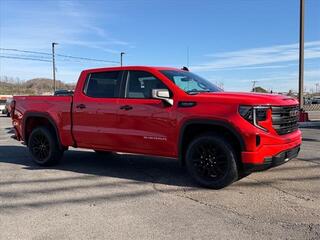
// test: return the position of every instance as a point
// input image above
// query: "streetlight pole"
(54, 66)
(301, 54)
(121, 58)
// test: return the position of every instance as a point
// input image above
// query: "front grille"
(285, 119)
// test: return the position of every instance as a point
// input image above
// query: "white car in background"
(2, 105)
(3, 101)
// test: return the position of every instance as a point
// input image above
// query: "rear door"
(95, 110)
(146, 125)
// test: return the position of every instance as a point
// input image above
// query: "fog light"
(258, 140)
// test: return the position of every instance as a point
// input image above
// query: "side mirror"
(162, 94)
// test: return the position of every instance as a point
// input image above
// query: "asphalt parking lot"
(130, 197)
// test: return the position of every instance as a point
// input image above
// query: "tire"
(211, 161)
(44, 147)
(8, 114)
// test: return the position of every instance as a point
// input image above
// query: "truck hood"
(248, 98)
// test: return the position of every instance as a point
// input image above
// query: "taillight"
(256, 115)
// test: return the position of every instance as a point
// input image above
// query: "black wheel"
(44, 147)
(211, 161)
(8, 114)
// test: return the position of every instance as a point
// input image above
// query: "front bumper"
(271, 155)
(273, 161)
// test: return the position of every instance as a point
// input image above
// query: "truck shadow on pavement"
(101, 179)
(124, 166)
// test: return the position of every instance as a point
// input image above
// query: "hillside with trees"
(36, 86)
(259, 90)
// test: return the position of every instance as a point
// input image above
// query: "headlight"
(247, 113)
(254, 114)
(261, 113)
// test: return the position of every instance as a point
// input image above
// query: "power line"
(84, 58)
(25, 58)
(25, 55)
(60, 55)
(40, 58)
(25, 51)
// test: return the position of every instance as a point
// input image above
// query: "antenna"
(188, 50)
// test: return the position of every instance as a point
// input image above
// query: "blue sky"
(232, 42)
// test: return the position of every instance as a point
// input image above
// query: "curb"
(311, 124)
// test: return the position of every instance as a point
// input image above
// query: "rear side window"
(103, 84)
(140, 84)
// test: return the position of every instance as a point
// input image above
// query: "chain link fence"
(311, 107)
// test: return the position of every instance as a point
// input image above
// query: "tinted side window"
(103, 84)
(140, 84)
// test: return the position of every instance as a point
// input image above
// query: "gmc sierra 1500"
(165, 112)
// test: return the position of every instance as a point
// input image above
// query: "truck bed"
(57, 108)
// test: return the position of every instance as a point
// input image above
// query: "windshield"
(190, 82)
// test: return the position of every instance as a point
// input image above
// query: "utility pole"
(254, 85)
(121, 58)
(301, 54)
(54, 66)
(317, 86)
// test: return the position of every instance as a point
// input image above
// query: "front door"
(146, 125)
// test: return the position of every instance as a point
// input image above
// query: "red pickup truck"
(166, 112)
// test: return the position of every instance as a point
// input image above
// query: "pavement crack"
(153, 183)
(185, 196)
(280, 190)
(310, 161)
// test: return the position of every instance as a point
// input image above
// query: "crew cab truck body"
(164, 112)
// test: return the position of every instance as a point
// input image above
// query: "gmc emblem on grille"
(293, 113)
